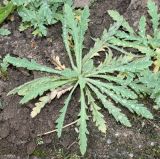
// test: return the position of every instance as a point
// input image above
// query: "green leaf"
(98, 118)
(4, 32)
(116, 112)
(124, 35)
(140, 89)
(63, 111)
(5, 11)
(65, 39)
(77, 30)
(153, 12)
(157, 101)
(137, 44)
(36, 88)
(23, 89)
(30, 65)
(72, 25)
(117, 17)
(88, 67)
(44, 11)
(152, 82)
(113, 29)
(3, 68)
(102, 43)
(28, 15)
(82, 122)
(24, 26)
(98, 46)
(134, 66)
(131, 105)
(115, 79)
(142, 27)
(33, 93)
(83, 26)
(122, 64)
(21, 2)
(123, 90)
(146, 50)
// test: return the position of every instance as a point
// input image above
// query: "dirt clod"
(4, 130)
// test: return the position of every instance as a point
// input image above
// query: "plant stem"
(52, 131)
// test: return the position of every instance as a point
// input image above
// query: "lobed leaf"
(83, 124)
(102, 43)
(37, 87)
(22, 90)
(116, 112)
(117, 17)
(98, 118)
(72, 26)
(66, 42)
(30, 65)
(39, 105)
(153, 12)
(63, 111)
(48, 98)
(131, 105)
(83, 26)
(142, 27)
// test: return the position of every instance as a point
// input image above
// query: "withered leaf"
(57, 63)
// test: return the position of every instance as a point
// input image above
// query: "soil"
(18, 132)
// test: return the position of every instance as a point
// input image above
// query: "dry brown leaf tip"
(48, 98)
(56, 61)
(59, 92)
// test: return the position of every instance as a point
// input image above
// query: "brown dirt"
(18, 132)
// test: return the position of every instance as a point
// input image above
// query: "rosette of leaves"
(149, 45)
(39, 13)
(109, 85)
(146, 44)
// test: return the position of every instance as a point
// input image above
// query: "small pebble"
(131, 155)
(152, 144)
(125, 134)
(117, 134)
(109, 141)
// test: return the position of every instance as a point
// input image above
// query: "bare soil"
(18, 132)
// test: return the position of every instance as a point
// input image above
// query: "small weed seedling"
(109, 85)
(148, 45)
(38, 14)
